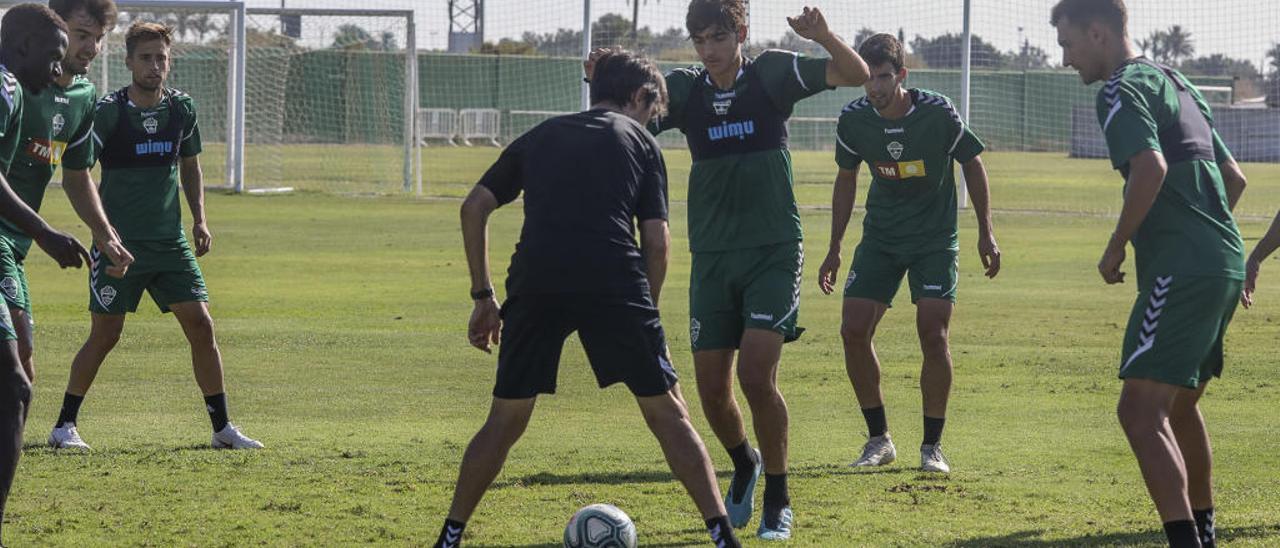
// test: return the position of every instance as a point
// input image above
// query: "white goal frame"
(412, 160)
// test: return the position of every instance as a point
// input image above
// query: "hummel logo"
(762, 317)
(933, 287)
(62, 100)
(452, 535)
(894, 130)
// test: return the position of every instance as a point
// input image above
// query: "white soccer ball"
(600, 526)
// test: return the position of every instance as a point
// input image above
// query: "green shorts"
(13, 279)
(876, 274)
(1176, 329)
(756, 288)
(166, 270)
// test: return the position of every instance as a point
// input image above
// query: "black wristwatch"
(482, 294)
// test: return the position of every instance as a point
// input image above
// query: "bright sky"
(1239, 28)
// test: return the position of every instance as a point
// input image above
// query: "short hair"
(25, 20)
(102, 12)
(883, 48)
(705, 14)
(1080, 13)
(146, 31)
(619, 74)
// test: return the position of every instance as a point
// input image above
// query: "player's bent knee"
(856, 334)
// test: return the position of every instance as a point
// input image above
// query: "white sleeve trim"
(1112, 114)
(795, 64)
(81, 140)
(847, 147)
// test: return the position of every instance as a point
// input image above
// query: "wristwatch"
(482, 294)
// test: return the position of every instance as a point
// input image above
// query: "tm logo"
(153, 147)
(728, 130)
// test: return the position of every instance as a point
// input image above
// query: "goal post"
(208, 63)
(334, 96)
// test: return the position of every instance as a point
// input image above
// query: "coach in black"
(587, 179)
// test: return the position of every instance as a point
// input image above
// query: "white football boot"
(932, 459)
(67, 437)
(878, 451)
(231, 438)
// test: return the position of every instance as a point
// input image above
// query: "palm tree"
(1178, 44)
(635, 22)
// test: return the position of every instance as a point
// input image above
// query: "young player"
(1266, 246)
(33, 40)
(56, 127)
(147, 140)
(586, 178)
(1180, 186)
(910, 139)
(744, 231)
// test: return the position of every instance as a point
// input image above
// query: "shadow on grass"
(602, 478)
(1032, 539)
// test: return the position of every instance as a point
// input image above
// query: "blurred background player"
(910, 139)
(57, 124)
(148, 140)
(33, 40)
(1180, 187)
(744, 231)
(588, 179)
(1266, 246)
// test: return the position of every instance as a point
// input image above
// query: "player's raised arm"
(975, 180)
(1266, 246)
(846, 69)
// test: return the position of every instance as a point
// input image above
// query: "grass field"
(342, 323)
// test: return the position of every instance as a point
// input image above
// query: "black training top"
(587, 178)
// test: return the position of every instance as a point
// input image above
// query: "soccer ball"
(600, 526)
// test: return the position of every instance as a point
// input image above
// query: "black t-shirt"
(586, 178)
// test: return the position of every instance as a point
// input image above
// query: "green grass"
(342, 322)
(1048, 182)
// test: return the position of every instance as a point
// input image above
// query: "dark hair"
(145, 31)
(730, 15)
(619, 74)
(883, 48)
(25, 20)
(1080, 13)
(101, 11)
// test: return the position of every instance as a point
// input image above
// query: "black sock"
(1181, 534)
(722, 533)
(450, 534)
(775, 493)
(744, 467)
(877, 424)
(1205, 527)
(217, 407)
(70, 409)
(933, 430)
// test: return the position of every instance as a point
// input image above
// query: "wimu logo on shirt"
(729, 130)
(153, 147)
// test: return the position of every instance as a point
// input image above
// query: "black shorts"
(623, 339)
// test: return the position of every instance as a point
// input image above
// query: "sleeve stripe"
(795, 64)
(956, 143)
(189, 134)
(97, 139)
(1115, 108)
(81, 140)
(846, 147)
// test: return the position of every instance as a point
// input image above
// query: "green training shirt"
(11, 96)
(911, 203)
(1190, 229)
(56, 127)
(740, 193)
(143, 203)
